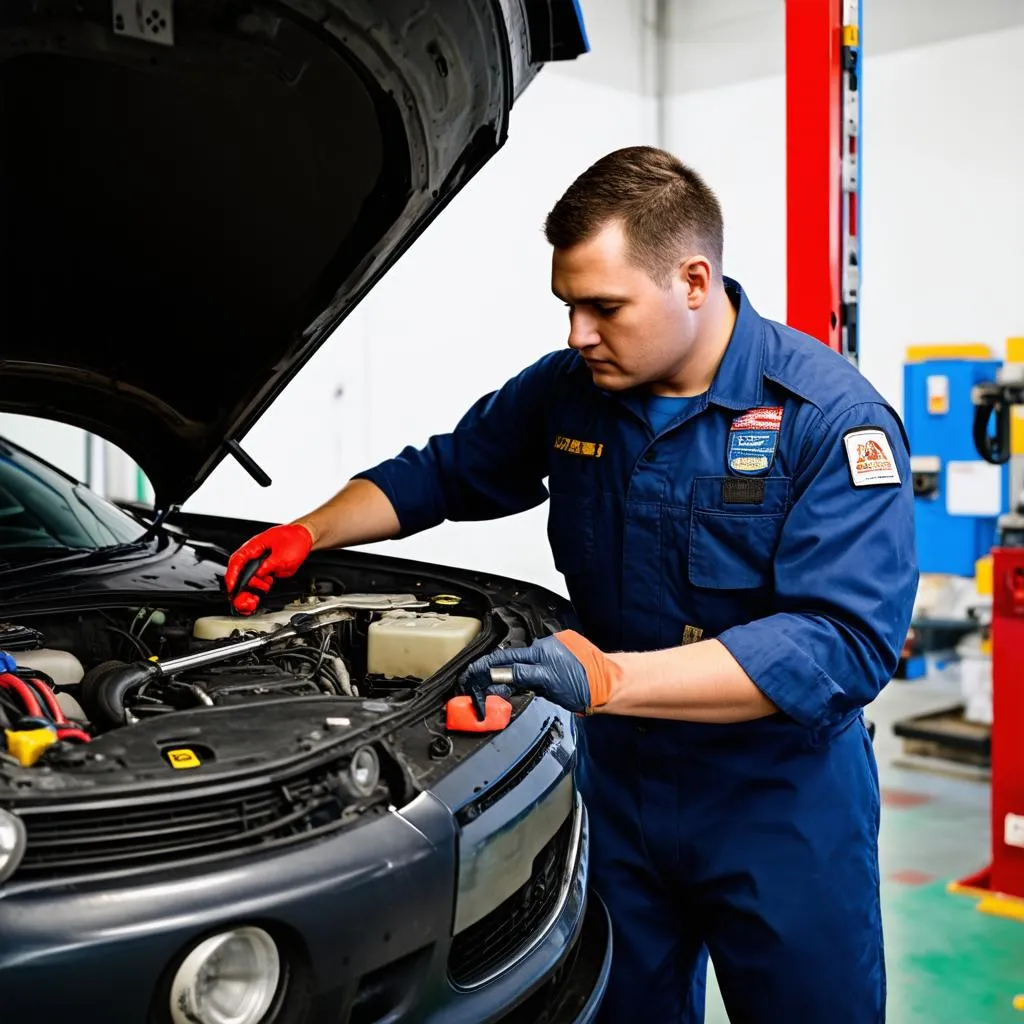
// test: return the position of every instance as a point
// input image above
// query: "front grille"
(495, 940)
(191, 826)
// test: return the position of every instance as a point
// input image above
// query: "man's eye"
(607, 310)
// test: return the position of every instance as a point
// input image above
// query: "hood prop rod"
(248, 463)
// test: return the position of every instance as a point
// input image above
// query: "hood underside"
(196, 192)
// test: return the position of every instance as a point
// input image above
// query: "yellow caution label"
(183, 758)
(851, 35)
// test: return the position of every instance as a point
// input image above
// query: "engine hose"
(45, 694)
(113, 687)
(26, 694)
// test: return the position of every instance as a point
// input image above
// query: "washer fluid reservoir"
(416, 645)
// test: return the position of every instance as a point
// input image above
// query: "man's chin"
(611, 378)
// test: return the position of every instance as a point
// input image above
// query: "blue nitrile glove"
(565, 668)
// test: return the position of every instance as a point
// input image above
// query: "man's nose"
(582, 331)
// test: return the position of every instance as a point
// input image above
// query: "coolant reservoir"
(220, 627)
(416, 644)
(61, 666)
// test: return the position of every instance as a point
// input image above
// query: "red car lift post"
(823, 260)
(1004, 877)
(822, 180)
(1001, 884)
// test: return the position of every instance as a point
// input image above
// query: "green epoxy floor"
(946, 962)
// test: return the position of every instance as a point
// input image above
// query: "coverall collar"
(739, 382)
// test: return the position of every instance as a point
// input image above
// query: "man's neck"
(694, 377)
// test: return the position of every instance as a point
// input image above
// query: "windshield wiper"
(38, 555)
(59, 557)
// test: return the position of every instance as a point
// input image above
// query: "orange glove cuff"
(602, 673)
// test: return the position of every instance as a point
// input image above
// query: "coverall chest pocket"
(735, 526)
(571, 531)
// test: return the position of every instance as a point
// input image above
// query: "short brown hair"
(665, 206)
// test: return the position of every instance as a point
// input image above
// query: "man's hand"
(565, 668)
(281, 550)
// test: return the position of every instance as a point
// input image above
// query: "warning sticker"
(183, 758)
(870, 457)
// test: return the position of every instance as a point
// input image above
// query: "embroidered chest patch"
(753, 440)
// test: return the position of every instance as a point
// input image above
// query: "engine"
(66, 679)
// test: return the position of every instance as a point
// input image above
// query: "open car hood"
(196, 192)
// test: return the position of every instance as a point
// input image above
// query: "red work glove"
(281, 550)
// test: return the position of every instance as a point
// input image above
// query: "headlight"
(229, 978)
(12, 843)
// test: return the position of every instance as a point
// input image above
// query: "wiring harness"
(31, 715)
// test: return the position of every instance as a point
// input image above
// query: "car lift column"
(823, 111)
(1000, 885)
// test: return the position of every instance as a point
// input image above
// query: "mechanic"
(731, 507)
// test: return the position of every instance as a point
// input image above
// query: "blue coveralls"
(775, 512)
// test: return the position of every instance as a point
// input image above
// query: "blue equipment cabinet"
(958, 496)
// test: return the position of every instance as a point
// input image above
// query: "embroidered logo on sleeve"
(870, 457)
(753, 440)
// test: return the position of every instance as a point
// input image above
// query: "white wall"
(734, 136)
(57, 443)
(943, 213)
(467, 307)
(715, 44)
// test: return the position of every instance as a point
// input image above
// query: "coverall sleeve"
(492, 464)
(846, 579)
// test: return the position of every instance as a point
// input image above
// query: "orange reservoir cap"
(460, 715)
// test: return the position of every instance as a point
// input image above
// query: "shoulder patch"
(870, 457)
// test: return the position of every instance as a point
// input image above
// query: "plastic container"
(416, 645)
(61, 666)
(975, 679)
(220, 627)
(71, 708)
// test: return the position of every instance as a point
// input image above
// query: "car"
(270, 819)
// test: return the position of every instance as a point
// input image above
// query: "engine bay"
(68, 679)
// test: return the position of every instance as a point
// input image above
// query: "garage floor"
(946, 963)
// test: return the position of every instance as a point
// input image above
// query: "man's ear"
(695, 275)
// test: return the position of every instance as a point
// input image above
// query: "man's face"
(628, 328)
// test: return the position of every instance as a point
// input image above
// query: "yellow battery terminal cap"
(27, 745)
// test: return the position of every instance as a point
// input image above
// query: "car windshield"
(44, 513)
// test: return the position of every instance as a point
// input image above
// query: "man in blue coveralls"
(731, 507)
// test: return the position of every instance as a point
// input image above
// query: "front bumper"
(574, 993)
(363, 920)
